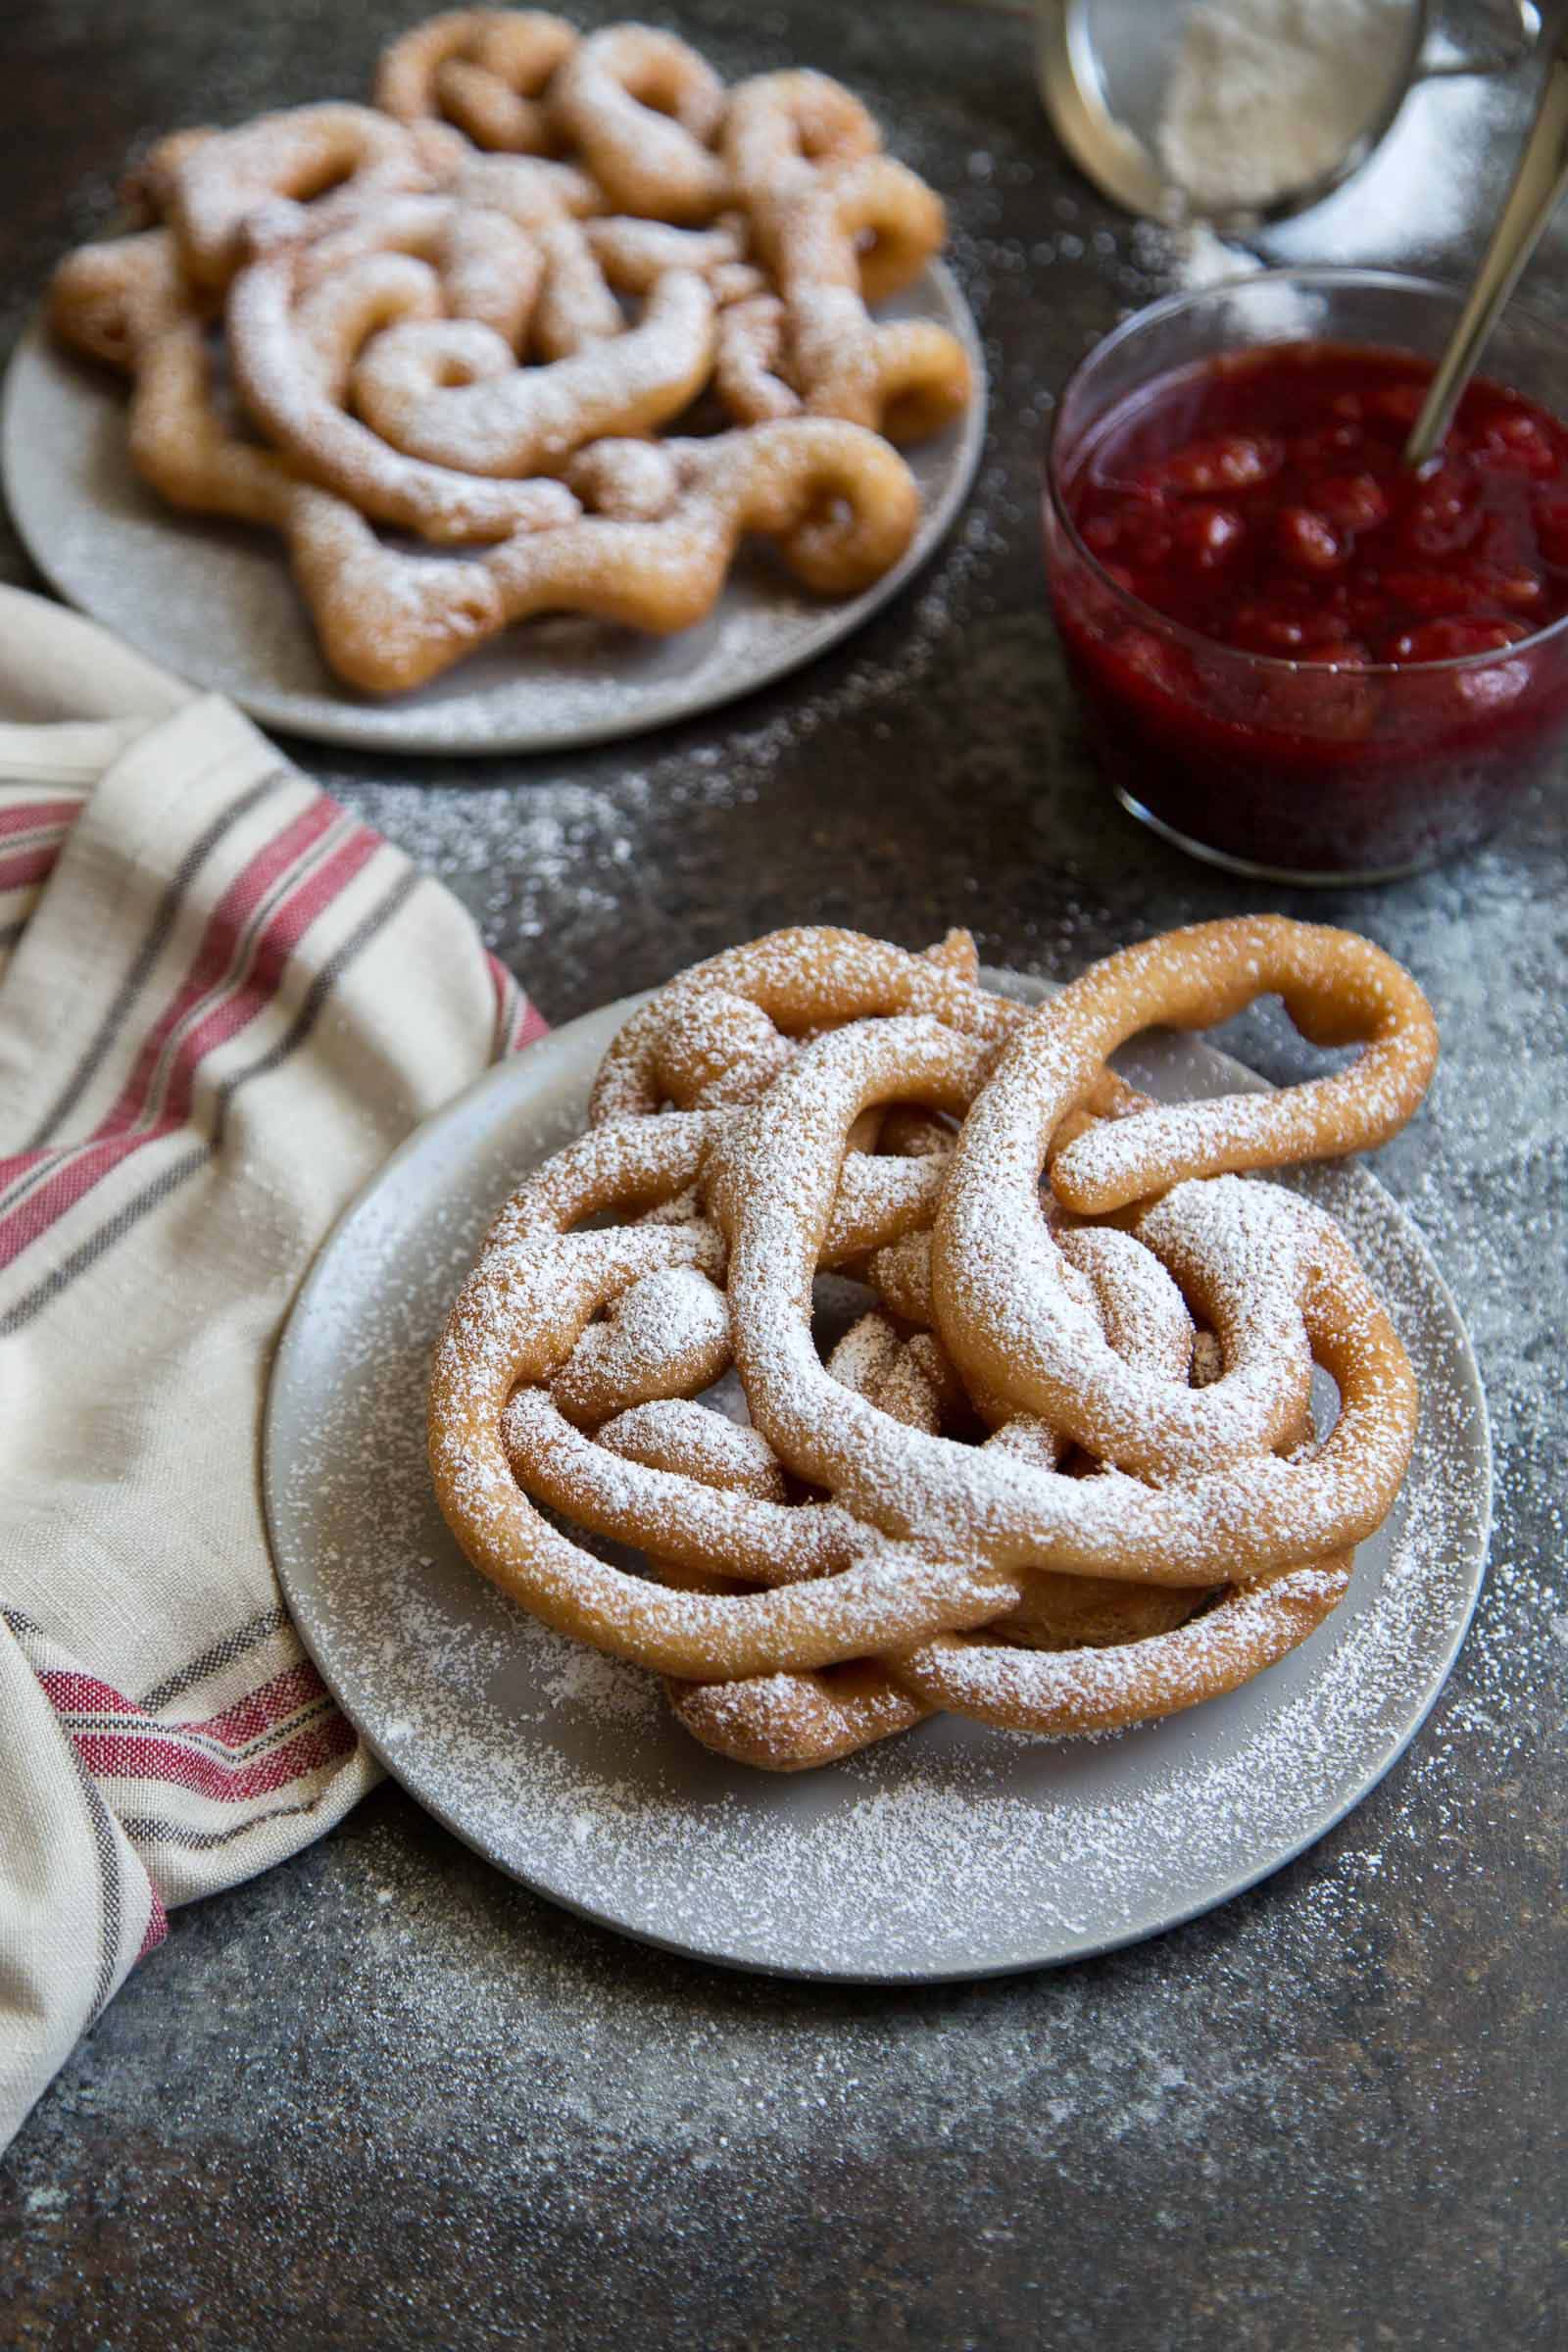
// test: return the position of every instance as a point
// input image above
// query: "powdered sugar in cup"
(1242, 111)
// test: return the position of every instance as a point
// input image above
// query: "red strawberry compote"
(1355, 682)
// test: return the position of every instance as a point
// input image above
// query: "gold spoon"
(1538, 184)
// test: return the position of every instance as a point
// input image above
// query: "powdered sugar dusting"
(781, 1160)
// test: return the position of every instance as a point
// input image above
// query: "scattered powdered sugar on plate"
(606, 1689)
(953, 1851)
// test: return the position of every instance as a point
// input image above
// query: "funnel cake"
(417, 339)
(1059, 1472)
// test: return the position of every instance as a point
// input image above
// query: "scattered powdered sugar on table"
(946, 1849)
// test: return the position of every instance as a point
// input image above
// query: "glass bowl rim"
(1324, 278)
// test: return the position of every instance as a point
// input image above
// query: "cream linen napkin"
(223, 1001)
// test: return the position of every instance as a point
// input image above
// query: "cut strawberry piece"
(1308, 540)
(1510, 440)
(1398, 404)
(1232, 461)
(1208, 535)
(1356, 502)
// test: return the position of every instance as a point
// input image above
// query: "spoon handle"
(1538, 184)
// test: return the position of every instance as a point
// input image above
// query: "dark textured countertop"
(382, 2096)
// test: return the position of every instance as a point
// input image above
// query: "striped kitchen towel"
(223, 1001)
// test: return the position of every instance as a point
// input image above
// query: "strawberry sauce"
(1258, 501)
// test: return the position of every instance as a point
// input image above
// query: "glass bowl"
(1294, 770)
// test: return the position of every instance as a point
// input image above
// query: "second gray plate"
(216, 603)
(953, 1851)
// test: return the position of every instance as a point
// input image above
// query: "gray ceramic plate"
(215, 603)
(953, 1851)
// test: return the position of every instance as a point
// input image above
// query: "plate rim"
(664, 707)
(502, 1078)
